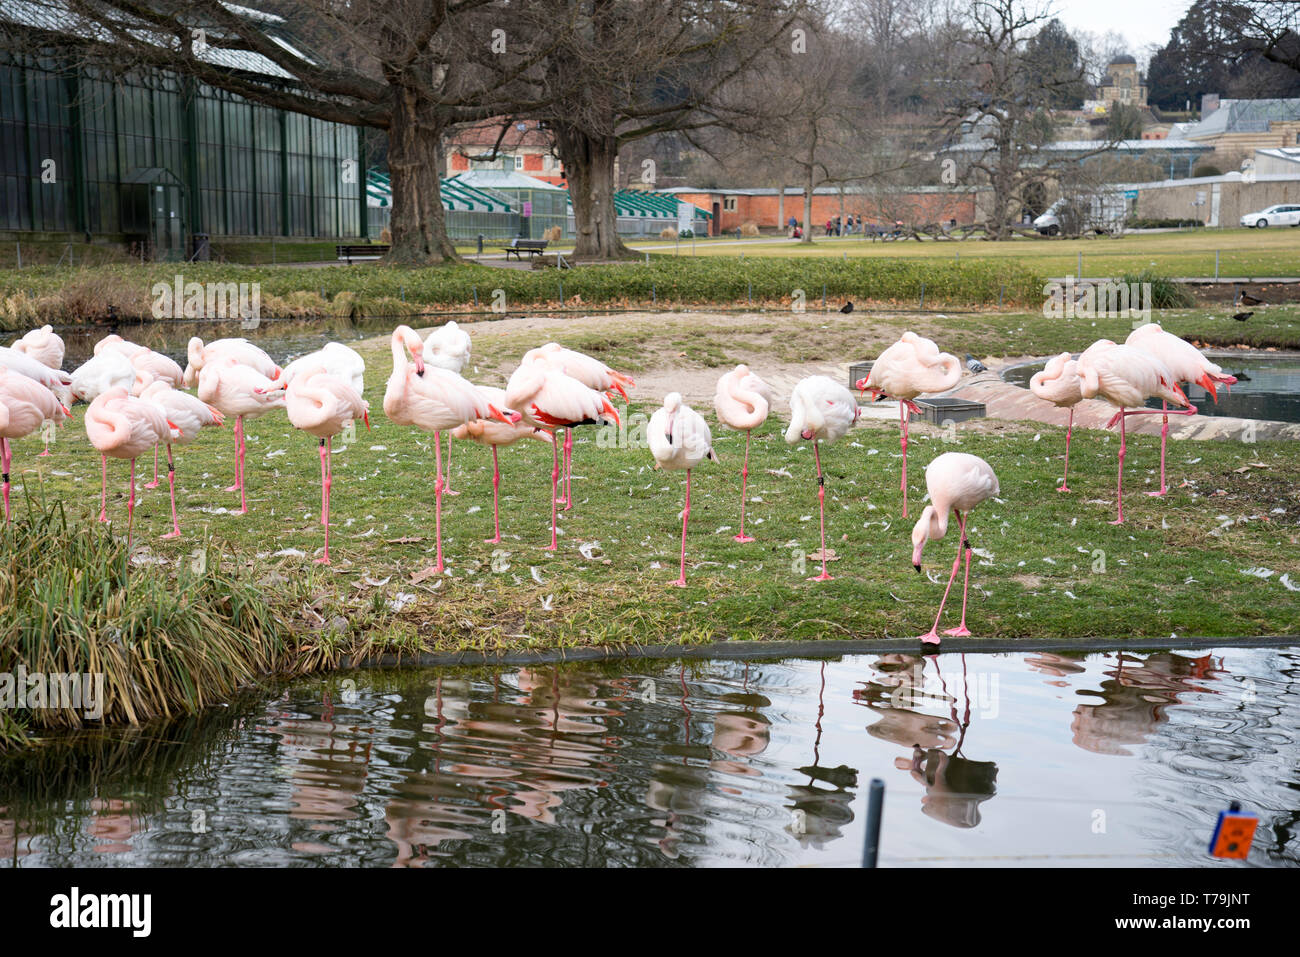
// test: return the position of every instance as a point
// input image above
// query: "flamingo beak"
(495, 413)
(366, 418)
(419, 365)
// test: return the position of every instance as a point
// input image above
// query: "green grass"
(1161, 568)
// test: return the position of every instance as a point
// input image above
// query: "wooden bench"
(533, 247)
(362, 251)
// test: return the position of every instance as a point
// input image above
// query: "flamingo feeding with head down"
(431, 399)
(679, 438)
(188, 415)
(323, 405)
(1058, 383)
(592, 373)
(550, 399)
(957, 482)
(1126, 376)
(243, 392)
(124, 426)
(1187, 364)
(742, 402)
(494, 433)
(448, 347)
(912, 366)
(821, 410)
(25, 406)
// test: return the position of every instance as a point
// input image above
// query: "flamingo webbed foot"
(929, 638)
(961, 631)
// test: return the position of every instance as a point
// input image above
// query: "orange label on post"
(1233, 835)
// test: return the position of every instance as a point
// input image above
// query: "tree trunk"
(780, 208)
(414, 152)
(807, 208)
(589, 169)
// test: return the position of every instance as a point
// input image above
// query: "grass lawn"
(1049, 565)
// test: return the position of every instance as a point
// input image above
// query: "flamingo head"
(925, 529)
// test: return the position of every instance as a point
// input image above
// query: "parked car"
(1102, 212)
(1273, 216)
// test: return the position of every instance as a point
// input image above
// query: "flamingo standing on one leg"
(494, 433)
(821, 410)
(1058, 384)
(125, 426)
(550, 399)
(1187, 364)
(25, 406)
(448, 347)
(912, 366)
(679, 438)
(431, 399)
(1127, 376)
(957, 482)
(46, 347)
(592, 373)
(189, 415)
(243, 392)
(742, 402)
(324, 404)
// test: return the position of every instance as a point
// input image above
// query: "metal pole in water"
(875, 808)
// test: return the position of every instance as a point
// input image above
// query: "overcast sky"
(1143, 22)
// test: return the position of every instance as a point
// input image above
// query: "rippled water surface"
(1010, 759)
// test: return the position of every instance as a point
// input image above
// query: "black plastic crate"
(946, 409)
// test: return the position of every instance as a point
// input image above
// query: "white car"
(1273, 216)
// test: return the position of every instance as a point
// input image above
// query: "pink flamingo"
(679, 438)
(188, 415)
(108, 370)
(124, 426)
(448, 347)
(821, 410)
(742, 402)
(1187, 364)
(323, 404)
(433, 400)
(957, 482)
(1127, 376)
(243, 392)
(1058, 383)
(494, 433)
(592, 373)
(46, 347)
(336, 359)
(25, 406)
(549, 399)
(241, 350)
(912, 366)
(149, 366)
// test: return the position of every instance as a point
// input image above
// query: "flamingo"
(448, 347)
(241, 350)
(957, 482)
(149, 366)
(592, 373)
(338, 360)
(18, 361)
(46, 347)
(548, 398)
(679, 438)
(1058, 383)
(108, 370)
(1187, 364)
(188, 415)
(912, 366)
(124, 426)
(742, 402)
(238, 390)
(821, 410)
(323, 404)
(494, 433)
(431, 399)
(25, 406)
(1127, 376)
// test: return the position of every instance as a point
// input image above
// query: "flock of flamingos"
(136, 404)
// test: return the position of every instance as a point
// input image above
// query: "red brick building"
(525, 147)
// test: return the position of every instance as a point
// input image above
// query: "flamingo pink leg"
(6, 454)
(103, 488)
(239, 456)
(130, 506)
(327, 480)
(171, 483)
(1119, 488)
(568, 469)
(496, 505)
(46, 450)
(1064, 486)
(821, 508)
(555, 479)
(437, 494)
(447, 490)
(1164, 439)
(744, 482)
(931, 637)
(903, 414)
(961, 631)
(686, 517)
(154, 483)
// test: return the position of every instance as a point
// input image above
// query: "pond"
(1026, 759)
(1268, 387)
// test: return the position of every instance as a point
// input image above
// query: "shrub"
(749, 229)
(1165, 293)
(553, 235)
(668, 233)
